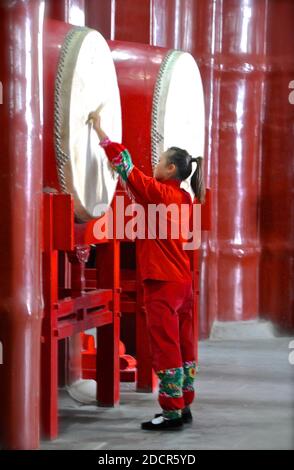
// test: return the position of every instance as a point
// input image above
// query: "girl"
(165, 271)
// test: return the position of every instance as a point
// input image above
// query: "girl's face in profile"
(164, 170)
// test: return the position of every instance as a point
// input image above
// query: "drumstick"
(98, 110)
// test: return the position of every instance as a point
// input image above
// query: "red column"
(174, 24)
(135, 14)
(123, 20)
(277, 198)
(206, 32)
(20, 208)
(237, 59)
(100, 16)
(70, 11)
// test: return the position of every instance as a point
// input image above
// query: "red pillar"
(277, 198)
(69, 11)
(138, 15)
(236, 57)
(174, 24)
(122, 20)
(20, 208)
(100, 15)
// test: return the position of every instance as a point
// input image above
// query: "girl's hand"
(95, 118)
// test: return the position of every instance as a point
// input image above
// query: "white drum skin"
(79, 76)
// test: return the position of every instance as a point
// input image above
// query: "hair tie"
(196, 160)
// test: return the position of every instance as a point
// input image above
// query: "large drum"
(162, 101)
(79, 76)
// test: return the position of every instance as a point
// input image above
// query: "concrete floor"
(245, 400)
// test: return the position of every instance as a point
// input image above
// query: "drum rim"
(159, 102)
(75, 35)
(160, 97)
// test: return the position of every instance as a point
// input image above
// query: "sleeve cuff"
(105, 142)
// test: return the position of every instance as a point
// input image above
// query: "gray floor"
(245, 400)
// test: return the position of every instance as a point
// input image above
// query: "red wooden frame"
(70, 311)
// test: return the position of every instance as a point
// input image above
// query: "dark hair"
(183, 162)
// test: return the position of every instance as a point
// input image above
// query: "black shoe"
(163, 424)
(186, 416)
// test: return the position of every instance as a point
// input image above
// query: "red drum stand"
(74, 310)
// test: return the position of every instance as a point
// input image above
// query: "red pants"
(170, 326)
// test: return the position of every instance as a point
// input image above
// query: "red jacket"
(160, 259)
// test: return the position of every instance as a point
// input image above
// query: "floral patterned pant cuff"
(188, 385)
(176, 390)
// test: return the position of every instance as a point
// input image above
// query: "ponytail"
(183, 162)
(197, 181)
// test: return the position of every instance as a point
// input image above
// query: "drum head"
(86, 79)
(178, 118)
